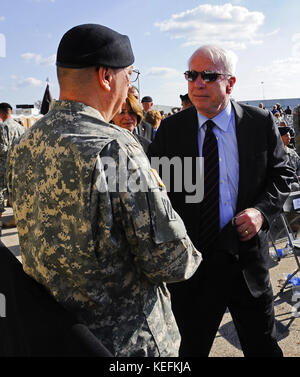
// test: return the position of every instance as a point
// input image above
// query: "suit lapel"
(190, 145)
(244, 142)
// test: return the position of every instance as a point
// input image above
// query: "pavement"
(226, 344)
(287, 317)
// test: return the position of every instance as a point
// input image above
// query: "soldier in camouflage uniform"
(10, 131)
(103, 247)
(294, 159)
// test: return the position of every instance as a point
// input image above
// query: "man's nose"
(199, 82)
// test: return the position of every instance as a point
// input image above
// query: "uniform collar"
(74, 106)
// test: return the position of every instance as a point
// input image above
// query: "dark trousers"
(200, 309)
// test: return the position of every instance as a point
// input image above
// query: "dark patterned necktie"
(209, 209)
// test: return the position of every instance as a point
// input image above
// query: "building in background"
(26, 114)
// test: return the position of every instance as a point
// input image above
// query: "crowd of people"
(133, 259)
(10, 131)
(284, 122)
(277, 108)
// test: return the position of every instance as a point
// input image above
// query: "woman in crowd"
(131, 115)
(153, 117)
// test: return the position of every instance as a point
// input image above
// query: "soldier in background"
(296, 125)
(185, 101)
(294, 159)
(103, 247)
(143, 129)
(10, 131)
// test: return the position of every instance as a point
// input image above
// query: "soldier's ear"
(105, 78)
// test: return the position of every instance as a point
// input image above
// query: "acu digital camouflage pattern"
(294, 162)
(10, 131)
(104, 255)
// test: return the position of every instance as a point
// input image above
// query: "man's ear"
(105, 77)
(231, 82)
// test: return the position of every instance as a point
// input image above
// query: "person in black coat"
(145, 128)
(249, 175)
(33, 323)
(154, 118)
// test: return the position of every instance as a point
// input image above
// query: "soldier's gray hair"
(218, 55)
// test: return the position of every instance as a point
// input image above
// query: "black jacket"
(264, 178)
(144, 142)
(32, 323)
(146, 130)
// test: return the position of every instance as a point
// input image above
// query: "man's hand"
(248, 223)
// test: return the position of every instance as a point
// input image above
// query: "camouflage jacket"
(10, 131)
(103, 248)
(294, 162)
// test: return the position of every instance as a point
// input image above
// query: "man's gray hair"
(219, 55)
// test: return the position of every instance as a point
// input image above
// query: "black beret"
(147, 99)
(284, 130)
(92, 45)
(5, 106)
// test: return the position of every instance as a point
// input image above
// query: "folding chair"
(274, 247)
(291, 206)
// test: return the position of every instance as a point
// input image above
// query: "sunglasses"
(206, 76)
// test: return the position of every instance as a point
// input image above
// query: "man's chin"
(200, 106)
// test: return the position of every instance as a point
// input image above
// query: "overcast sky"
(264, 35)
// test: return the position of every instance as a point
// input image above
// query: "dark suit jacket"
(144, 142)
(146, 130)
(264, 178)
(32, 323)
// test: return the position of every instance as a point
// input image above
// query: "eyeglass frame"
(204, 73)
(133, 70)
(137, 75)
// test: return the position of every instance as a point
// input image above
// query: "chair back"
(292, 203)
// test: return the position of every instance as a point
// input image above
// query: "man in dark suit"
(147, 103)
(246, 181)
(145, 129)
